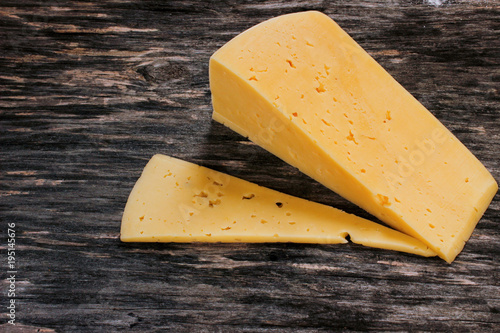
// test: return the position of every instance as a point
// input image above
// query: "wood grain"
(89, 91)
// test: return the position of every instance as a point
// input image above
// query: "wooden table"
(91, 90)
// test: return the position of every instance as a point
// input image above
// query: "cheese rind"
(177, 201)
(300, 87)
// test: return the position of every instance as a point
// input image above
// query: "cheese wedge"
(300, 87)
(177, 201)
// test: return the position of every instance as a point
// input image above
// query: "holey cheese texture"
(300, 87)
(177, 201)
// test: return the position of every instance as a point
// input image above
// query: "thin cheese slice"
(177, 201)
(300, 87)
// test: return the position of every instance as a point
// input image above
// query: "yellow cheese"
(177, 201)
(300, 87)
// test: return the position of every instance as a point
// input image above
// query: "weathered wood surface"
(91, 90)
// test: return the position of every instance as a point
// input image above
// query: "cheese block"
(177, 201)
(300, 87)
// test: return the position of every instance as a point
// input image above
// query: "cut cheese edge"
(300, 87)
(178, 201)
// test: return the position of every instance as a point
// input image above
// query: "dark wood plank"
(90, 91)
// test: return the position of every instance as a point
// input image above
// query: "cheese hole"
(253, 78)
(263, 221)
(383, 199)
(363, 171)
(325, 122)
(346, 236)
(212, 203)
(279, 204)
(320, 88)
(326, 69)
(295, 114)
(432, 226)
(288, 214)
(350, 137)
(290, 63)
(201, 194)
(248, 196)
